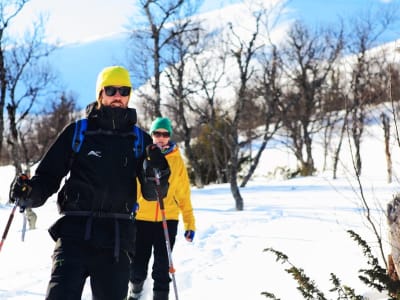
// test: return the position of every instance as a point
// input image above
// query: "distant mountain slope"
(79, 64)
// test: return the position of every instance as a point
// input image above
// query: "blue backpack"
(79, 135)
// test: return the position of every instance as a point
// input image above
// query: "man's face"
(115, 96)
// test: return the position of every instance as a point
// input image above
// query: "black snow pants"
(74, 261)
(150, 235)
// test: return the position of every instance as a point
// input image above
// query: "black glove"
(19, 190)
(155, 160)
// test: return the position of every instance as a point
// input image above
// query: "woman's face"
(160, 137)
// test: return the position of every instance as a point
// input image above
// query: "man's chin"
(117, 104)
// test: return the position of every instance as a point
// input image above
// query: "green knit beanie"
(164, 123)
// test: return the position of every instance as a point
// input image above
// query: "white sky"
(305, 218)
(78, 20)
(74, 20)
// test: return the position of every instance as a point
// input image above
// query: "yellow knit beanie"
(114, 75)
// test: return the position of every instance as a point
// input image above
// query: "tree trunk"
(339, 146)
(235, 190)
(13, 140)
(254, 165)
(386, 130)
(193, 160)
(233, 167)
(3, 85)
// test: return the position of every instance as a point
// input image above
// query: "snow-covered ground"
(305, 218)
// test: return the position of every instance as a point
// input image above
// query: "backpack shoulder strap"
(79, 134)
(139, 141)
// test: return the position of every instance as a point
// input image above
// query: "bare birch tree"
(309, 58)
(25, 75)
(367, 84)
(243, 50)
(9, 10)
(152, 33)
(272, 105)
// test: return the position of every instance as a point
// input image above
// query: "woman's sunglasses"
(158, 134)
(112, 90)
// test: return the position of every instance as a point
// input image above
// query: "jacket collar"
(111, 118)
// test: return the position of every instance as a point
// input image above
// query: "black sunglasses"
(161, 134)
(112, 90)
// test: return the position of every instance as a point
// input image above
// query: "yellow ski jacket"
(178, 198)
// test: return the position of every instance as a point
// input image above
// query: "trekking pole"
(22, 211)
(157, 176)
(10, 218)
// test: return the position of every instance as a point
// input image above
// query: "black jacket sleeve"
(53, 168)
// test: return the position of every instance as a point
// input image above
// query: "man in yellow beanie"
(149, 219)
(95, 236)
(113, 76)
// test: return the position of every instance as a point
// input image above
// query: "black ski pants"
(150, 235)
(74, 261)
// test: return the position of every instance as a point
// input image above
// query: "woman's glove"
(189, 235)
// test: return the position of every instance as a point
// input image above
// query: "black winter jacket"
(98, 197)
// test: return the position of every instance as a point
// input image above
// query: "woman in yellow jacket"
(150, 232)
